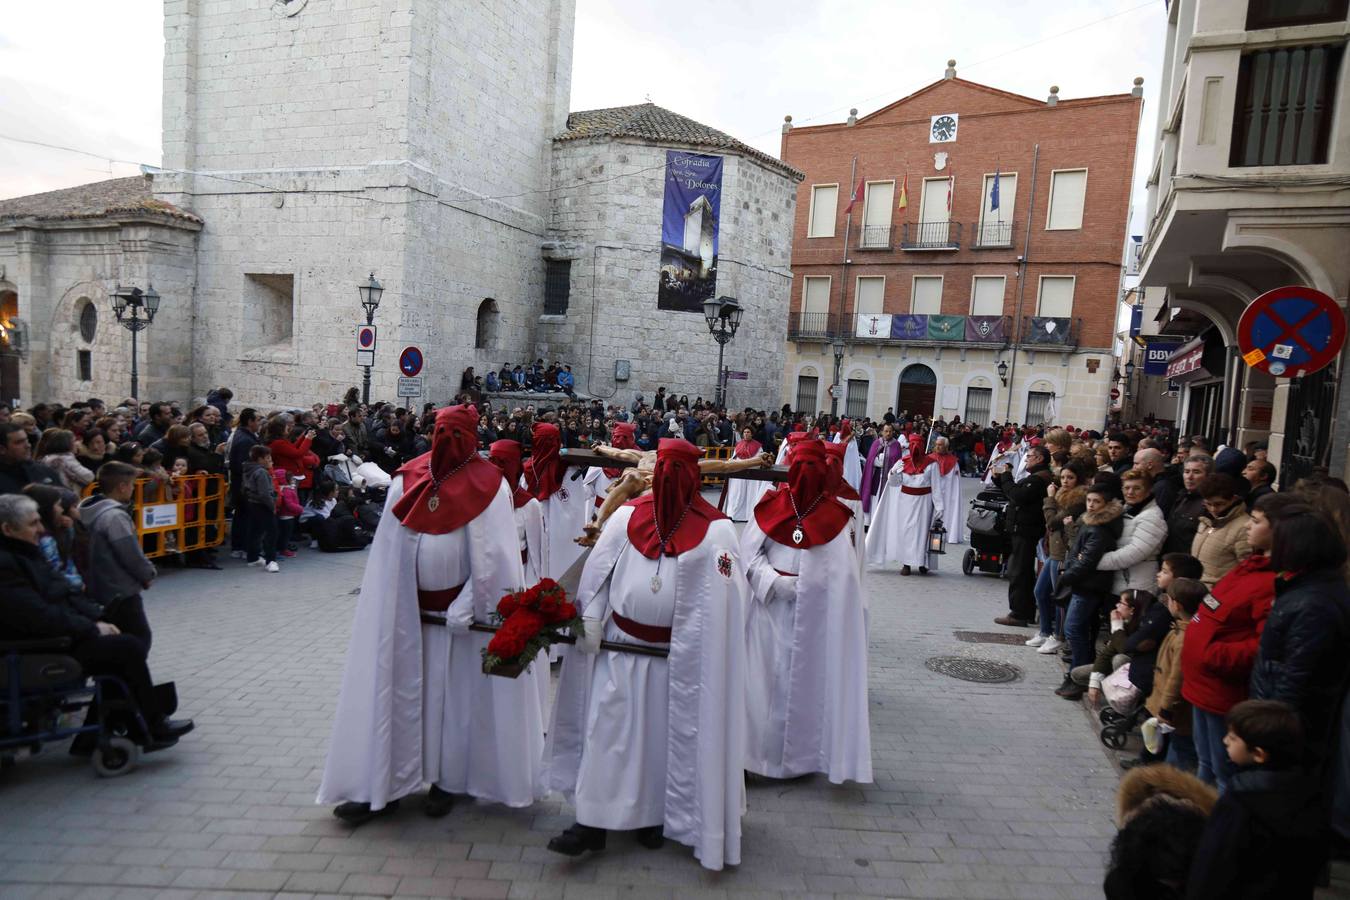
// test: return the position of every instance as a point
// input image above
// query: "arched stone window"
(485, 333)
(88, 320)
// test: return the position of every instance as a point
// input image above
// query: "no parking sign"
(1291, 331)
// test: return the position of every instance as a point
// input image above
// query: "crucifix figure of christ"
(637, 480)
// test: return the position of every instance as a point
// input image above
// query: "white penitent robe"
(415, 706)
(949, 486)
(998, 458)
(852, 463)
(565, 518)
(638, 741)
(899, 532)
(806, 660)
(534, 560)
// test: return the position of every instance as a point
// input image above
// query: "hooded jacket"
(1162, 813)
(258, 485)
(117, 567)
(39, 603)
(1220, 543)
(1064, 503)
(1097, 533)
(1165, 699)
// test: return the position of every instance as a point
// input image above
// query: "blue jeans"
(1214, 765)
(1181, 752)
(1046, 608)
(1078, 628)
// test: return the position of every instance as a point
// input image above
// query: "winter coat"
(240, 447)
(1219, 544)
(1027, 496)
(1263, 839)
(1097, 534)
(1167, 488)
(1161, 812)
(258, 485)
(39, 603)
(204, 459)
(1183, 521)
(117, 567)
(13, 478)
(1135, 559)
(1165, 699)
(1302, 658)
(1142, 646)
(1216, 662)
(1070, 503)
(72, 474)
(296, 458)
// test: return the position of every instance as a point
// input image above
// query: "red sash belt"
(788, 574)
(437, 601)
(917, 492)
(652, 634)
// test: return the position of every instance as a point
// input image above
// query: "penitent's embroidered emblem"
(724, 565)
(562, 492)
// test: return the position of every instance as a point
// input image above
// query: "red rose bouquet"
(529, 622)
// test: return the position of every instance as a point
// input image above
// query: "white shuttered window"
(871, 291)
(986, 295)
(1067, 190)
(927, 299)
(824, 205)
(1056, 296)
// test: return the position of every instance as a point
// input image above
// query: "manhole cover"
(990, 637)
(985, 671)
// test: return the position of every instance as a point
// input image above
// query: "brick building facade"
(945, 307)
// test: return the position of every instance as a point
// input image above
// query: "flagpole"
(843, 266)
(1021, 284)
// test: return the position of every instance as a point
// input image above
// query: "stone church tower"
(320, 141)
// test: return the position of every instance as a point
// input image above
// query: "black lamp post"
(1129, 377)
(1003, 371)
(724, 317)
(370, 301)
(127, 304)
(837, 345)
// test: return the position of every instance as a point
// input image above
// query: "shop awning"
(1197, 359)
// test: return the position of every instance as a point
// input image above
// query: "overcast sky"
(86, 73)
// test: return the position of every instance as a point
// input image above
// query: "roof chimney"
(853, 116)
(951, 70)
(787, 124)
(1138, 88)
(1053, 99)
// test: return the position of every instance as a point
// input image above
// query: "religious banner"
(1048, 330)
(689, 231)
(946, 328)
(986, 329)
(874, 325)
(909, 328)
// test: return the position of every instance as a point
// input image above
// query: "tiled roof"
(649, 122)
(92, 201)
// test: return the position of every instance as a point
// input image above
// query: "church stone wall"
(606, 218)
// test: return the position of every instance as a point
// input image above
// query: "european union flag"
(993, 193)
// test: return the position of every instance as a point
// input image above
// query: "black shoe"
(360, 813)
(905, 570)
(1064, 685)
(438, 803)
(577, 840)
(653, 838)
(1074, 691)
(923, 570)
(170, 729)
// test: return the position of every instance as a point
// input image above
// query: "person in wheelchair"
(39, 604)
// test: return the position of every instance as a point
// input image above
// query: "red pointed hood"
(673, 518)
(544, 469)
(452, 478)
(805, 501)
(505, 455)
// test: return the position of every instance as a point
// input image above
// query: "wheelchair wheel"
(118, 758)
(1114, 737)
(968, 563)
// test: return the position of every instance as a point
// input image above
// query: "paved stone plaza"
(981, 791)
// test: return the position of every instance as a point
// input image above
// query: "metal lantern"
(370, 296)
(937, 539)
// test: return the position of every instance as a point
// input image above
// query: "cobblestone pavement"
(981, 790)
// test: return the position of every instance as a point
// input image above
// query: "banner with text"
(689, 223)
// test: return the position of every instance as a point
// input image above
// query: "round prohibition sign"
(1291, 331)
(365, 337)
(410, 361)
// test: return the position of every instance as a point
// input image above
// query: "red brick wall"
(996, 130)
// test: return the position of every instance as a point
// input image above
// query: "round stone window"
(88, 322)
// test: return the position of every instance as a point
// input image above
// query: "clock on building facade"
(942, 129)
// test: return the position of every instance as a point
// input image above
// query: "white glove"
(590, 641)
(784, 588)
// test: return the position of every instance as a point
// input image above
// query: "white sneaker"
(1051, 645)
(238, 554)
(256, 562)
(1037, 640)
(273, 567)
(314, 545)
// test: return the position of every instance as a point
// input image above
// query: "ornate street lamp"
(837, 345)
(723, 315)
(370, 293)
(1003, 371)
(127, 305)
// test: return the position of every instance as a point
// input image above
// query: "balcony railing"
(875, 237)
(931, 236)
(813, 326)
(930, 330)
(1050, 331)
(992, 235)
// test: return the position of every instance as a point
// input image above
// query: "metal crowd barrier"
(187, 514)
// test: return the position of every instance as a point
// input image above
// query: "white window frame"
(811, 215)
(913, 293)
(890, 212)
(984, 203)
(1003, 294)
(1040, 292)
(857, 293)
(940, 183)
(1050, 206)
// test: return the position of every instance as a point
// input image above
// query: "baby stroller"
(1124, 709)
(40, 687)
(989, 545)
